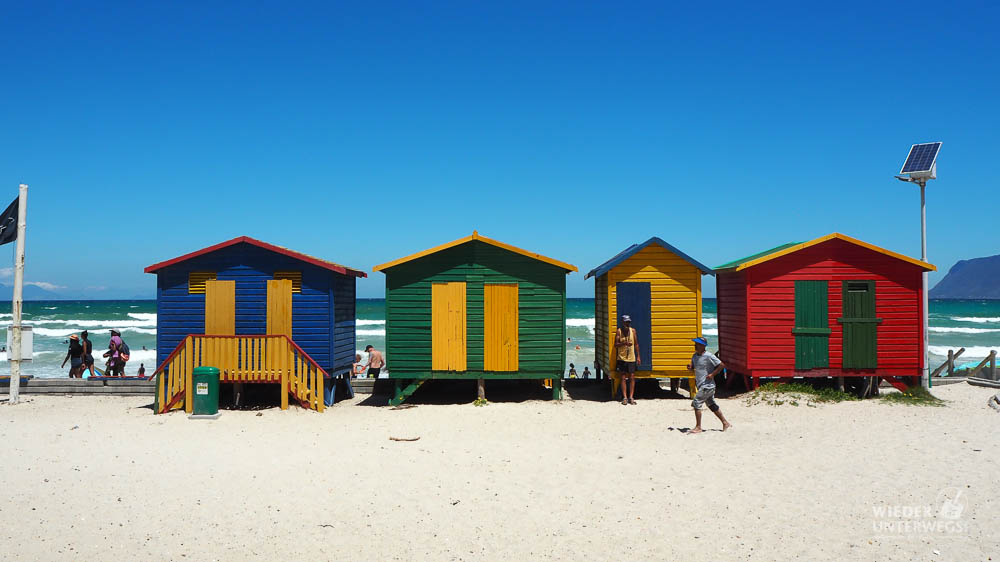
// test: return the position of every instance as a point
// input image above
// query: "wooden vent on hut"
(295, 276)
(196, 281)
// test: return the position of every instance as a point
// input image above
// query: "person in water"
(572, 371)
(75, 356)
(142, 370)
(705, 367)
(586, 372)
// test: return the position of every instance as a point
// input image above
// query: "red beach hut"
(833, 306)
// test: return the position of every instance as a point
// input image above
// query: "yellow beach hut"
(659, 287)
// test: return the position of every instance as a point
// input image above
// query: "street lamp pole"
(921, 165)
(925, 378)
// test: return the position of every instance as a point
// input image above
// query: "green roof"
(737, 263)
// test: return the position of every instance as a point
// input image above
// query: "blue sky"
(361, 133)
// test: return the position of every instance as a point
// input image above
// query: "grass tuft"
(796, 393)
(913, 396)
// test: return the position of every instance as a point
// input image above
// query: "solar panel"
(921, 158)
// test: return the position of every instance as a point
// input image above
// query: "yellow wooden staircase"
(245, 359)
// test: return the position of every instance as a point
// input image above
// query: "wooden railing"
(248, 359)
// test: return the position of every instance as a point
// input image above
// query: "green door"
(860, 325)
(812, 325)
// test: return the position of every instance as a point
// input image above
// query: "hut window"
(295, 276)
(857, 286)
(196, 281)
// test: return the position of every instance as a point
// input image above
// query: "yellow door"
(448, 326)
(500, 327)
(220, 307)
(279, 306)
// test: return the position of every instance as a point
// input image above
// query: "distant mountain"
(977, 278)
(31, 293)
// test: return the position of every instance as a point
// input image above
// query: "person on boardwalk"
(375, 361)
(705, 367)
(88, 353)
(116, 367)
(75, 356)
(628, 356)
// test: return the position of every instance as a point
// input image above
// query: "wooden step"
(363, 386)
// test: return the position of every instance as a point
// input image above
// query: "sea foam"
(977, 319)
(976, 351)
(949, 330)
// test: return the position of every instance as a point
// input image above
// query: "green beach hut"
(474, 309)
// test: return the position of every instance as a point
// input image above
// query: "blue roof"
(635, 248)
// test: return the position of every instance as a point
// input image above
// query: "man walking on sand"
(627, 349)
(705, 367)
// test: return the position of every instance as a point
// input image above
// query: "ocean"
(972, 324)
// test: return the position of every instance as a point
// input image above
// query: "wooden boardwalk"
(126, 387)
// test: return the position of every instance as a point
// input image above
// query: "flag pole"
(14, 353)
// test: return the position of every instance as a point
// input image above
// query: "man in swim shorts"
(375, 361)
(705, 367)
(627, 349)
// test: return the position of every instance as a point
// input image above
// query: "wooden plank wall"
(344, 315)
(731, 303)
(772, 310)
(675, 287)
(180, 314)
(602, 352)
(541, 298)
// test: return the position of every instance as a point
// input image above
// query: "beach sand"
(99, 478)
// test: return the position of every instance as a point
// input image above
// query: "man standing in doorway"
(375, 361)
(628, 355)
(705, 367)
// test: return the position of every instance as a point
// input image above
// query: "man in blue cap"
(705, 367)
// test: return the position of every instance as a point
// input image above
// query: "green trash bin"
(206, 391)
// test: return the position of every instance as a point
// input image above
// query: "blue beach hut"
(258, 312)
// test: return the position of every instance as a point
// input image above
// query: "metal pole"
(925, 372)
(14, 353)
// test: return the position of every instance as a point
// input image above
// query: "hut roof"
(784, 249)
(476, 236)
(635, 248)
(337, 268)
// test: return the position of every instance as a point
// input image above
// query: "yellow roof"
(838, 236)
(476, 236)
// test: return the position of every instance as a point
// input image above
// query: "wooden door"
(635, 299)
(500, 317)
(812, 325)
(220, 307)
(448, 352)
(860, 325)
(279, 306)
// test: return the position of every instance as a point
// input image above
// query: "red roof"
(344, 270)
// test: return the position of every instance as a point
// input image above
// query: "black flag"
(8, 223)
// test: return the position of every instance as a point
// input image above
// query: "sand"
(99, 478)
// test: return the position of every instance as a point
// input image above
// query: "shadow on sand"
(449, 391)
